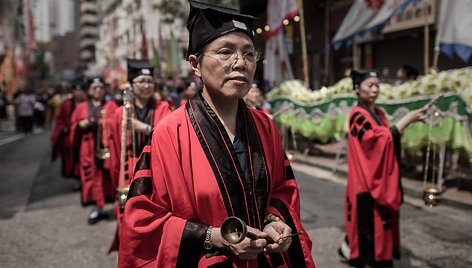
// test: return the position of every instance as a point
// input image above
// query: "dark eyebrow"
(229, 44)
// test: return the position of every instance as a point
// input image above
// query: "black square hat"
(138, 67)
(360, 75)
(207, 22)
(94, 79)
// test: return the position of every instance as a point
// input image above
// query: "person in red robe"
(373, 192)
(144, 112)
(211, 159)
(60, 141)
(90, 135)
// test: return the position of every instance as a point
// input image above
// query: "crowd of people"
(179, 157)
(142, 150)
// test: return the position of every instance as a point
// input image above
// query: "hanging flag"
(277, 11)
(277, 67)
(454, 36)
(20, 67)
(367, 16)
(174, 55)
(8, 72)
(144, 45)
(31, 31)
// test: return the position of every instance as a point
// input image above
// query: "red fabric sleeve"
(151, 233)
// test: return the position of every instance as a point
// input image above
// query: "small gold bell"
(121, 195)
(432, 196)
(103, 153)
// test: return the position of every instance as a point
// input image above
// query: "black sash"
(247, 201)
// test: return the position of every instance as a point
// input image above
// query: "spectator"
(24, 104)
(406, 73)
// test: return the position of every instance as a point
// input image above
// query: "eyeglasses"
(143, 82)
(228, 55)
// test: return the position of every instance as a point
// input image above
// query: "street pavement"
(42, 223)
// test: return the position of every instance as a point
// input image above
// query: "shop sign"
(413, 16)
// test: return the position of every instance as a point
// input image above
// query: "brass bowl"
(432, 196)
(103, 153)
(121, 194)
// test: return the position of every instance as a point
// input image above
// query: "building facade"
(88, 29)
(138, 29)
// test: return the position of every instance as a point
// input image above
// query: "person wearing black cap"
(144, 112)
(60, 142)
(90, 135)
(211, 159)
(373, 191)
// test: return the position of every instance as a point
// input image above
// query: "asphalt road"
(42, 223)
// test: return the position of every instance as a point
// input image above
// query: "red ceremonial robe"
(156, 111)
(189, 177)
(94, 173)
(373, 192)
(60, 141)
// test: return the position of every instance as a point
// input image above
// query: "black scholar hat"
(138, 67)
(95, 79)
(206, 22)
(360, 75)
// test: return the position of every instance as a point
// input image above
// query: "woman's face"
(368, 90)
(224, 74)
(97, 91)
(143, 86)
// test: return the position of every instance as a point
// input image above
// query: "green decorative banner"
(449, 120)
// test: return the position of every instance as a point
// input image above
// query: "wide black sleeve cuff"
(396, 141)
(191, 244)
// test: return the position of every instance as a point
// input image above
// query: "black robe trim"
(397, 149)
(295, 251)
(144, 162)
(192, 239)
(289, 173)
(246, 201)
(358, 262)
(224, 264)
(363, 130)
(365, 228)
(140, 186)
(353, 118)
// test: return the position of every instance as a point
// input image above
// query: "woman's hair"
(410, 71)
(358, 76)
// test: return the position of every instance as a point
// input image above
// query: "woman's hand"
(140, 126)
(276, 231)
(245, 250)
(84, 123)
(412, 116)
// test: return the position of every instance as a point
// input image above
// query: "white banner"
(277, 11)
(277, 67)
(455, 28)
(364, 16)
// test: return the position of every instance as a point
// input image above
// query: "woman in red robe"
(90, 132)
(60, 141)
(373, 191)
(144, 112)
(211, 159)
